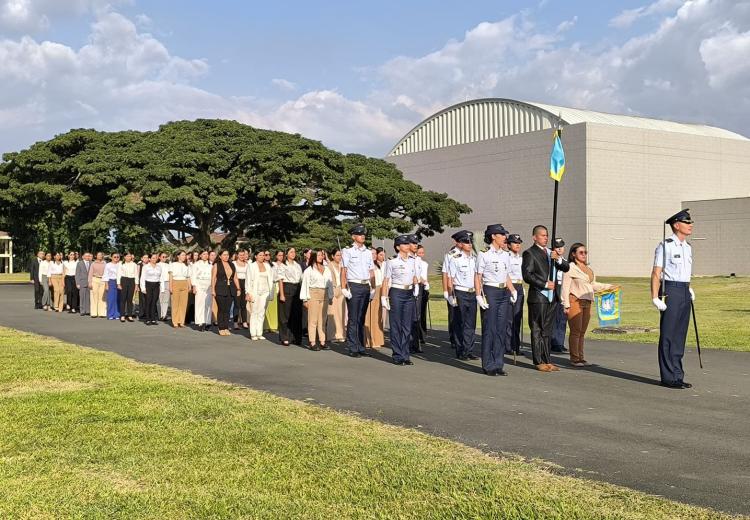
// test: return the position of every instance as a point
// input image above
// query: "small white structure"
(6, 253)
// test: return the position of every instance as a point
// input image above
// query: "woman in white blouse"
(127, 283)
(374, 335)
(71, 291)
(258, 291)
(55, 275)
(200, 279)
(337, 308)
(44, 281)
(240, 303)
(179, 283)
(316, 293)
(111, 270)
(150, 282)
(290, 305)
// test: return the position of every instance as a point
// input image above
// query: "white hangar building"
(624, 176)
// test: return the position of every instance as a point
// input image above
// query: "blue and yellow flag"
(557, 159)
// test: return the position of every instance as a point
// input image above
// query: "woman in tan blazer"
(578, 288)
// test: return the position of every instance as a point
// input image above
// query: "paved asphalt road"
(611, 422)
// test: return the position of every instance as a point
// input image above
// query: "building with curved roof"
(624, 174)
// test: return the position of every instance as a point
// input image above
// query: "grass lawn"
(87, 434)
(14, 277)
(722, 306)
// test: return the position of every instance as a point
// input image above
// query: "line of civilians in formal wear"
(288, 294)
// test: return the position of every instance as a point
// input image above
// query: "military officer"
(462, 294)
(358, 287)
(515, 319)
(452, 252)
(417, 336)
(400, 284)
(494, 294)
(673, 262)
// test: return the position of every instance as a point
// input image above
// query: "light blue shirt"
(679, 264)
(448, 258)
(400, 271)
(515, 266)
(493, 265)
(461, 270)
(358, 262)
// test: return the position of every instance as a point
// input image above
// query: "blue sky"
(358, 75)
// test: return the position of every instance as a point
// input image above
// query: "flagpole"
(558, 131)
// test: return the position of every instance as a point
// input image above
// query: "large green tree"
(89, 189)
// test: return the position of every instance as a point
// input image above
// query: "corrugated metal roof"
(572, 116)
(484, 119)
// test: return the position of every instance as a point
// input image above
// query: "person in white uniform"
(200, 279)
(258, 291)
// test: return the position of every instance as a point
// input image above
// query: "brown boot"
(553, 368)
(543, 368)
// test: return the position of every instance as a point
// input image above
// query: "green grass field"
(87, 434)
(14, 277)
(722, 307)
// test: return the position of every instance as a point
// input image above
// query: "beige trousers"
(58, 288)
(374, 336)
(179, 301)
(317, 312)
(98, 298)
(336, 315)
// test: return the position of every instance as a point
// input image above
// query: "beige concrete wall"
(637, 178)
(719, 236)
(506, 180)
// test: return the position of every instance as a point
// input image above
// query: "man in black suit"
(34, 278)
(542, 298)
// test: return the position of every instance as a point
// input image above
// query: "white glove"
(426, 286)
(447, 296)
(347, 293)
(372, 294)
(692, 294)
(659, 304)
(514, 297)
(452, 301)
(482, 304)
(385, 303)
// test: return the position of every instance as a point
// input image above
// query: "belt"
(500, 285)
(677, 284)
(517, 281)
(399, 286)
(94, 276)
(361, 282)
(463, 289)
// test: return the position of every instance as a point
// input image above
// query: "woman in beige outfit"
(374, 336)
(337, 309)
(578, 288)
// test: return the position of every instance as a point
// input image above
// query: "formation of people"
(346, 295)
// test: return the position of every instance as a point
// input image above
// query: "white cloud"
(32, 16)
(627, 17)
(284, 84)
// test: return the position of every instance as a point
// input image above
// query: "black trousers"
(142, 306)
(38, 291)
(541, 316)
(465, 322)
(71, 292)
(452, 328)
(126, 297)
(424, 312)
(224, 303)
(515, 321)
(290, 314)
(356, 307)
(240, 307)
(495, 327)
(417, 331)
(673, 327)
(190, 307)
(401, 321)
(151, 301)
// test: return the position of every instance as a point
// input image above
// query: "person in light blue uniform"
(673, 262)
(462, 295)
(452, 252)
(560, 323)
(400, 284)
(495, 293)
(358, 287)
(515, 319)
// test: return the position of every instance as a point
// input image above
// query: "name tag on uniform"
(676, 256)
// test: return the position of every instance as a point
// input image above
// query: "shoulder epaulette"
(457, 254)
(484, 250)
(394, 257)
(669, 240)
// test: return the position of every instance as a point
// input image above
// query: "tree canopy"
(135, 190)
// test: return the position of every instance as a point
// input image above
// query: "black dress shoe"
(398, 363)
(472, 357)
(408, 362)
(686, 385)
(677, 386)
(501, 373)
(463, 358)
(365, 354)
(325, 347)
(354, 354)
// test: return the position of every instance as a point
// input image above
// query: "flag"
(557, 159)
